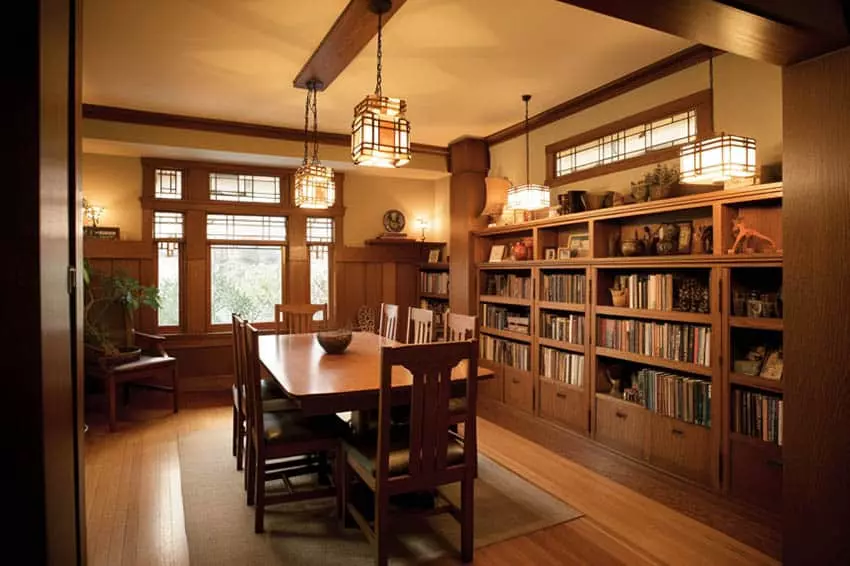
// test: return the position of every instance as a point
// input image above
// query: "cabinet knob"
(678, 432)
(621, 415)
(516, 380)
(561, 394)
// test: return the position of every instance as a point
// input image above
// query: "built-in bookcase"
(433, 284)
(649, 371)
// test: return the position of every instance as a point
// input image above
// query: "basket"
(334, 341)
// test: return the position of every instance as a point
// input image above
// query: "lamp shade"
(717, 159)
(528, 197)
(314, 186)
(380, 133)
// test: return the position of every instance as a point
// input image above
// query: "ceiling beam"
(352, 31)
(645, 75)
(774, 32)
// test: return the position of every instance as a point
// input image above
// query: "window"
(243, 227)
(168, 233)
(644, 138)
(247, 280)
(168, 183)
(320, 236)
(244, 188)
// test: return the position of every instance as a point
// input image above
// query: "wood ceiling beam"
(351, 32)
(774, 32)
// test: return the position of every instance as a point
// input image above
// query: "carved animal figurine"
(746, 237)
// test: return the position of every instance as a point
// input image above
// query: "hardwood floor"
(135, 509)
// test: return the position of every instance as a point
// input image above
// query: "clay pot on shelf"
(519, 252)
(631, 247)
(619, 297)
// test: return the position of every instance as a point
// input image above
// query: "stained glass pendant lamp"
(380, 133)
(528, 196)
(314, 182)
(719, 158)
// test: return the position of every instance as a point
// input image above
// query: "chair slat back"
(239, 359)
(297, 319)
(431, 367)
(461, 327)
(388, 324)
(420, 326)
(253, 374)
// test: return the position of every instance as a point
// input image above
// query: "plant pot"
(619, 297)
(658, 192)
(631, 247)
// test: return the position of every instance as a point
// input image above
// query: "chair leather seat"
(457, 405)
(363, 451)
(144, 362)
(293, 426)
(271, 400)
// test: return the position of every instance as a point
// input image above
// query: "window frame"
(331, 245)
(181, 274)
(700, 102)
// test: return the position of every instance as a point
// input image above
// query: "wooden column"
(816, 293)
(469, 160)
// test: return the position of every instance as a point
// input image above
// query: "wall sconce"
(91, 213)
(423, 224)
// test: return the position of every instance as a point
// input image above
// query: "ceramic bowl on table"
(334, 341)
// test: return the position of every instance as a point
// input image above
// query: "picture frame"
(102, 232)
(497, 253)
(550, 253)
(772, 367)
(434, 255)
(685, 237)
(579, 244)
(564, 253)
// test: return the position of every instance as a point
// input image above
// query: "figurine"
(746, 237)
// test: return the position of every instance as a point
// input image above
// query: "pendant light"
(314, 183)
(528, 196)
(719, 158)
(380, 133)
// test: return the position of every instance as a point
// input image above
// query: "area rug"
(219, 526)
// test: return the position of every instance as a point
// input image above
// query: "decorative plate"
(394, 221)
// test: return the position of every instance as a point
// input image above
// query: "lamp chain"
(380, 54)
(306, 122)
(527, 152)
(711, 88)
(315, 130)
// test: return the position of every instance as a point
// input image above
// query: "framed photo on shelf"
(579, 245)
(685, 237)
(102, 232)
(772, 367)
(550, 253)
(497, 253)
(564, 253)
(434, 255)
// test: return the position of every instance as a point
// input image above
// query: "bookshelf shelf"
(568, 307)
(495, 299)
(435, 296)
(756, 442)
(433, 283)
(438, 266)
(502, 265)
(558, 345)
(507, 334)
(652, 361)
(757, 323)
(561, 384)
(674, 316)
(756, 382)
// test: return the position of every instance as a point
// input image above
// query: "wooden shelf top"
(495, 299)
(506, 265)
(756, 322)
(674, 316)
(437, 296)
(653, 361)
(556, 306)
(561, 383)
(505, 334)
(753, 441)
(775, 386)
(557, 344)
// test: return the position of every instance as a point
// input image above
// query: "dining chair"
(460, 327)
(388, 322)
(424, 455)
(298, 319)
(279, 435)
(420, 326)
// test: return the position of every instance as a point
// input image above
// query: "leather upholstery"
(292, 426)
(363, 451)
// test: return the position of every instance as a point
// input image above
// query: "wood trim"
(700, 101)
(673, 64)
(164, 120)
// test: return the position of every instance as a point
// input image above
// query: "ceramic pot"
(520, 252)
(619, 297)
(631, 247)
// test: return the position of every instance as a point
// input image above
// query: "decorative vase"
(529, 247)
(631, 247)
(519, 252)
(640, 192)
(661, 191)
(619, 297)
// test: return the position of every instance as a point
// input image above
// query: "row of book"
(668, 340)
(562, 366)
(564, 328)
(648, 291)
(437, 283)
(504, 318)
(685, 398)
(564, 288)
(508, 285)
(757, 415)
(441, 309)
(500, 351)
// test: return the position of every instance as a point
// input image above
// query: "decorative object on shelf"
(632, 246)
(614, 244)
(595, 201)
(769, 305)
(497, 253)
(619, 295)
(528, 196)
(668, 239)
(639, 191)
(529, 247)
(423, 224)
(550, 253)
(772, 367)
(496, 197)
(702, 240)
(380, 133)
(692, 296)
(618, 199)
(614, 376)
(747, 240)
(579, 244)
(754, 305)
(717, 159)
(315, 186)
(650, 241)
(572, 201)
(92, 213)
(554, 211)
(102, 232)
(564, 253)
(655, 184)
(739, 302)
(686, 234)
(334, 341)
(434, 255)
(752, 362)
(394, 222)
(519, 251)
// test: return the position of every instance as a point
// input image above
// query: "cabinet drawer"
(681, 448)
(519, 389)
(621, 426)
(564, 404)
(492, 388)
(756, 472)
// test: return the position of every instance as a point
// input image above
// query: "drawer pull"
(620, 415)
(516, 380)
(678, 432)
(774, 463)
(561, 394)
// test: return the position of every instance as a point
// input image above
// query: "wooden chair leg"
(467, 496)
(175, 388)
(339, 465)
(260, 496)
(382, 523)
(250, 463)
(110, 400)
(235, 432)
(240, 443)
(345, 489)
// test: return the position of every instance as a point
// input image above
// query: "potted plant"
(105, 294)
(655, 184)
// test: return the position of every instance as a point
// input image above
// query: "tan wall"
(115, 182)
(747, 101)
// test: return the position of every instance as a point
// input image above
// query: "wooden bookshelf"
(498, 300)
(427, 298)
(435, 296)
(562, 384)
(713, 456)
(434, 266)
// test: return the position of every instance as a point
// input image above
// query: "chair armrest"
(152, 343)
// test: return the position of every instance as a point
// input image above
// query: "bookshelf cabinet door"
(493, 388)
(563, 404)
(519, 389)
(756, 473)
(621, 426)
(681, 448)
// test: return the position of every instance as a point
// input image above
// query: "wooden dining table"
(332, 383)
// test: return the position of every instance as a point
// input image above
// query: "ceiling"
(462, 65)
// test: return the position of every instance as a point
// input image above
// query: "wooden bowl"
(334, 341)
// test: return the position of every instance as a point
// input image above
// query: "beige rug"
(219, 526)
